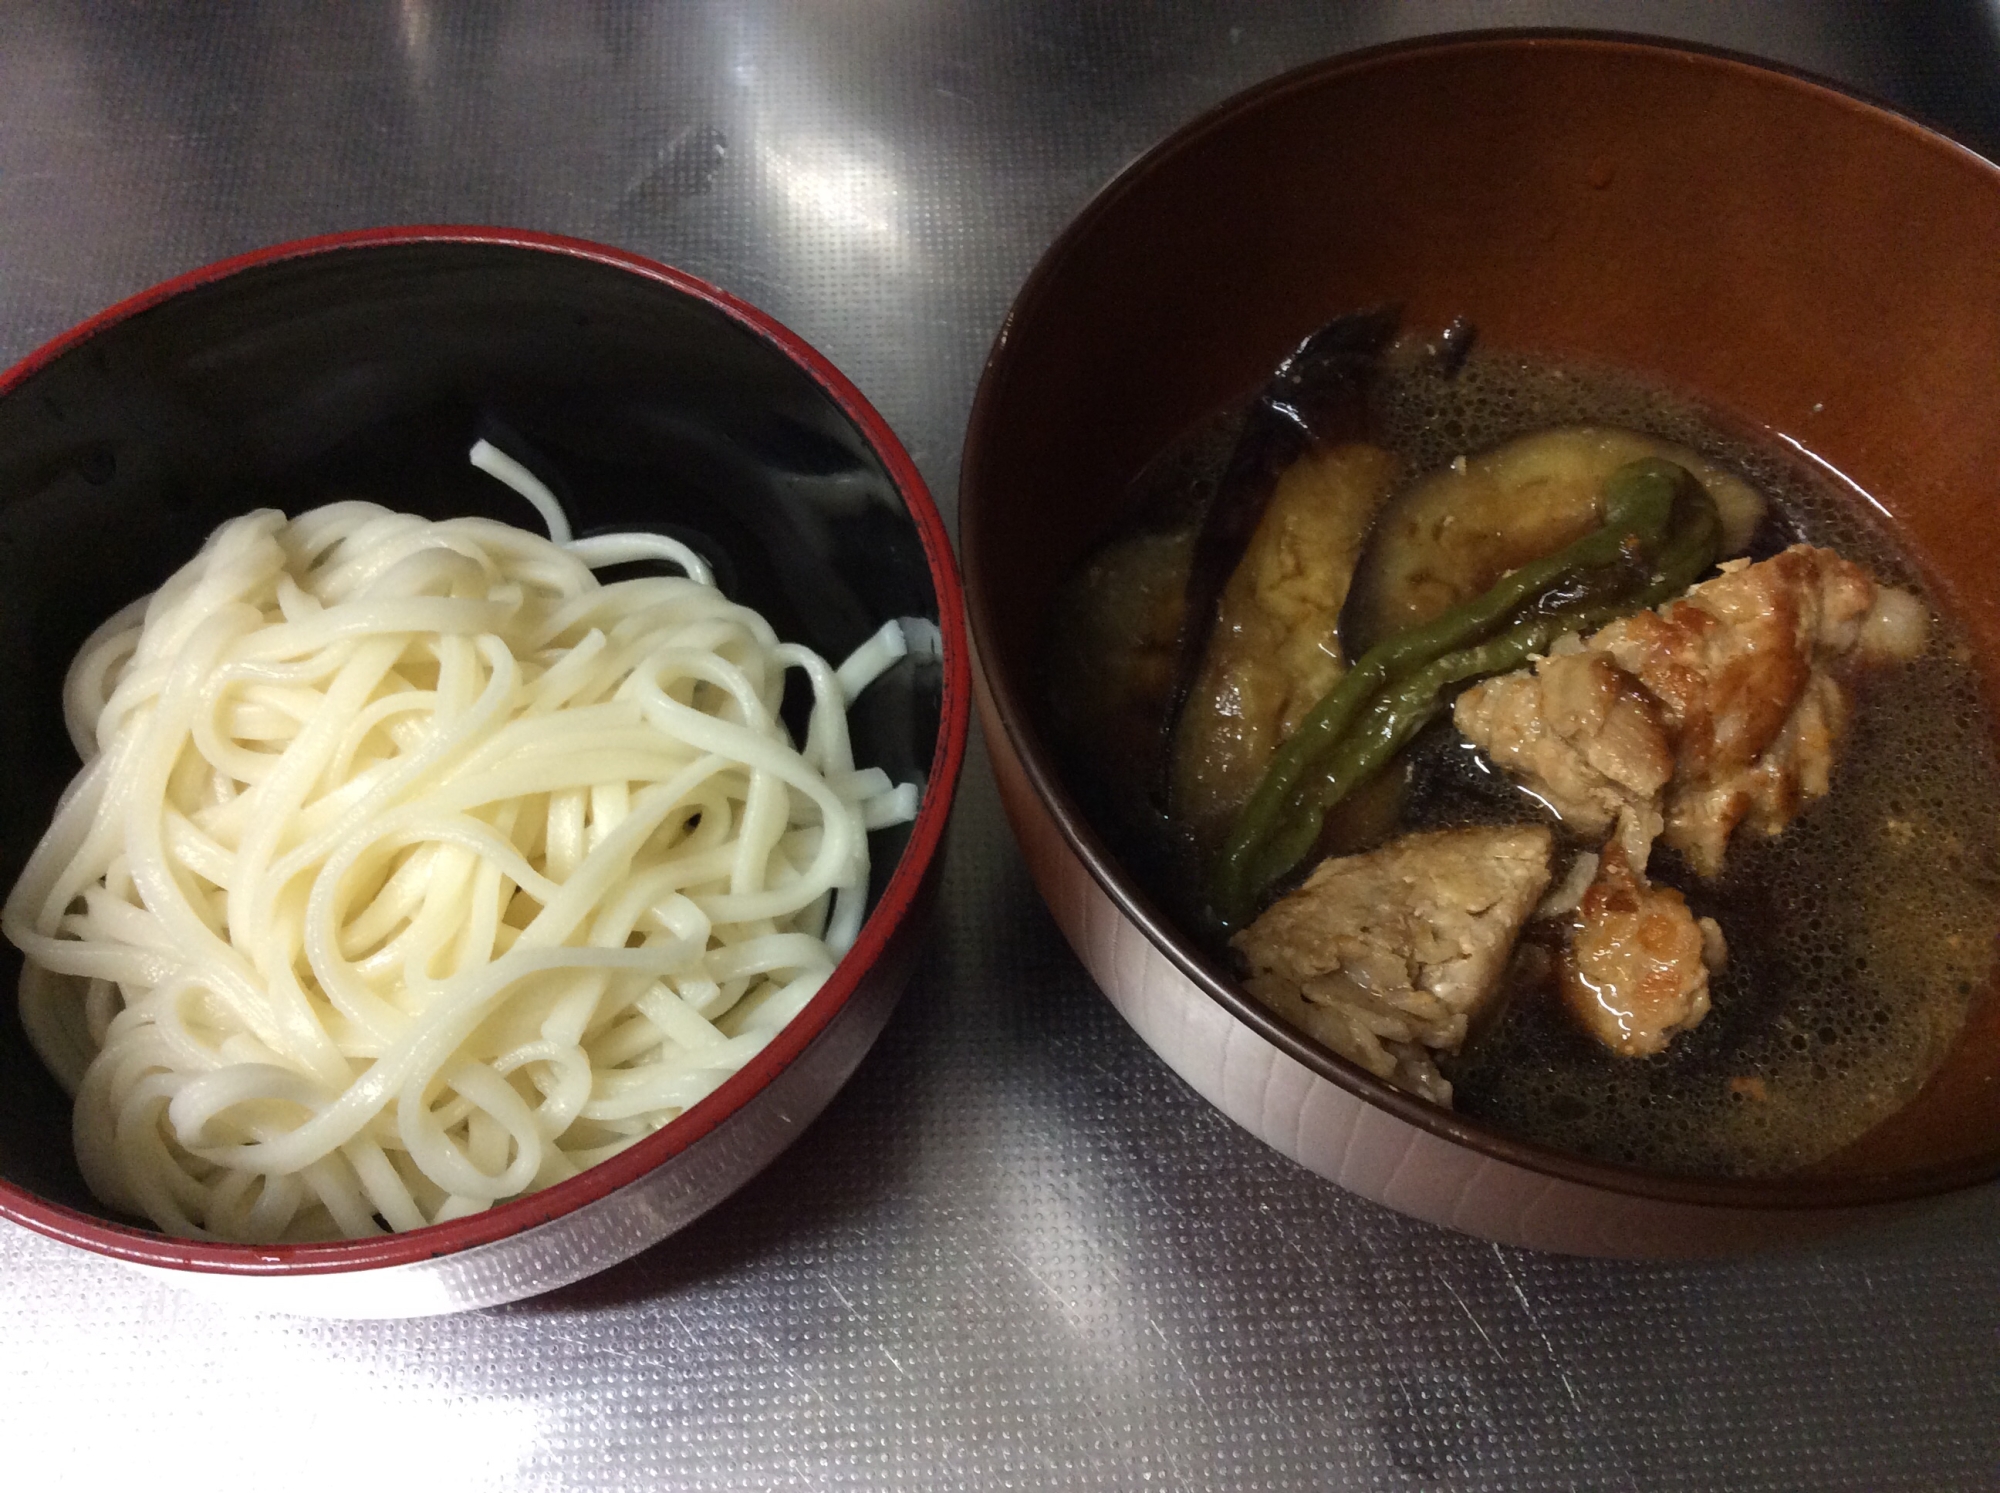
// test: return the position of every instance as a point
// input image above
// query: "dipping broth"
(1857, 936)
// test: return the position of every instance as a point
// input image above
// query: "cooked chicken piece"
(1746, 670)
(1735, 690)
(1386, 957)
(1275, 649)
(1581, 736)
(1636, 969)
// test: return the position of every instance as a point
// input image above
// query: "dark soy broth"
(1857, 937)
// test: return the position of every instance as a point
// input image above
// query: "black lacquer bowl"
(365, 366)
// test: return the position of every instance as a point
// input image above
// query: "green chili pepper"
(1394, 719)
(1396, 688)
(1690, 551)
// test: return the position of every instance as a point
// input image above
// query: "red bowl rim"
(1800, 1192)
(146, 1247)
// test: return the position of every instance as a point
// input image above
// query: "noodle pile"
(412, 869)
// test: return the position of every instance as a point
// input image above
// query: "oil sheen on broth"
(1857, 937)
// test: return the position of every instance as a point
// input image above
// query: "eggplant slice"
(1318, 396)
(1274, 650)
(1114, 629)
(1453, 534)
(1259, 641)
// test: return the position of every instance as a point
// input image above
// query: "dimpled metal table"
(1016, 1252)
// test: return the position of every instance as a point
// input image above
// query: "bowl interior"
(367, 371)
(1801, 262)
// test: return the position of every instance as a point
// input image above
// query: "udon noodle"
(411, 868)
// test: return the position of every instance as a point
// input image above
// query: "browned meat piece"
(1637, 966)
(1386, 957)
(1740, 680)
(1275, 649)
(1746, 668)
(1583, 737)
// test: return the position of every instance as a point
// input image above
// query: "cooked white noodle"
(491, 460)
(411, 868)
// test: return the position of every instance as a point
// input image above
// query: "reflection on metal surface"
(840, 191)
(418, 27)
(213, 1400)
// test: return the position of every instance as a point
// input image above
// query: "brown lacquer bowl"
(1797, 259)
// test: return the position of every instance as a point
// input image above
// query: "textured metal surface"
(1016, 1252)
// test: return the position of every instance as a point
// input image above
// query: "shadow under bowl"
(365, 366)
(1806, 264)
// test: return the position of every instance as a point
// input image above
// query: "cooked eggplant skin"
(1275, 647)
(1451, 535)
(1317, 397)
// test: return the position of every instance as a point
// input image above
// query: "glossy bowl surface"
(1805, 263)
(365, 365)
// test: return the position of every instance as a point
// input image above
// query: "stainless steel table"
(1016, 1252)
